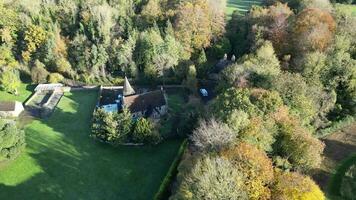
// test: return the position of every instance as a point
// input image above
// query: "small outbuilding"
(10, 108)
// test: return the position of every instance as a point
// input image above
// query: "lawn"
(25, 91)
(240, 5)
(62, 162)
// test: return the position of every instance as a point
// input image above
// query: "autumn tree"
(256, 167)
(296, 143)
(313, 30)
(293, 186)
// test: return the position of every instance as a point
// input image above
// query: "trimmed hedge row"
(336, 126)
(163, 191)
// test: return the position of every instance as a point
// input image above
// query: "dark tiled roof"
(142, 102)
(7, 105)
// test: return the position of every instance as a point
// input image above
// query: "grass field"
(62, 162)
(240, 5)
(25, 91)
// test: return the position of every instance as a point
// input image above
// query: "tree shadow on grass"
(76, 167)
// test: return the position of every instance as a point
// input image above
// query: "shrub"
(38, 72)
(55, 78)
(10, 81)
(143, 132)
(12, 140)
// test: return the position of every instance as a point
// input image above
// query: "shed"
(10, 108)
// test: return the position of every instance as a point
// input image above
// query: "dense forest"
(294, 76)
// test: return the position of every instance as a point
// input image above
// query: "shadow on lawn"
(334, 153)
(76, 167)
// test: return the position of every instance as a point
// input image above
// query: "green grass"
(25, 92)
(240, 5)
(61, 161)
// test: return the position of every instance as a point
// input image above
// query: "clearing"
(61, 161)
(240, 5)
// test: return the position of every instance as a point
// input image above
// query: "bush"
(38, 72)
(12, 140)
(10, 81)
(55, 78)
(143, 132)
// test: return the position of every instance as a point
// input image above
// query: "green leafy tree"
(144, 132)
(12, 140)
(10, 81)
(191, 81)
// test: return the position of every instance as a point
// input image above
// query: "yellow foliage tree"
(294, 186)
(256, 167)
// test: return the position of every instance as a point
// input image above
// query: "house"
(151, 104)
(10, 108)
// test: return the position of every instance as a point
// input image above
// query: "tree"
(35, 36)
(313, 30)
(212, 136)
(143, 132)
(111, 127)
(38, 72)
(232, 99)
(294, 186)
(255, 166)
(6, 57)
(296, 143)
(296, 95)
(191, 81)
(192, 25)
(12, 140)
(10, 81)
(210, 179)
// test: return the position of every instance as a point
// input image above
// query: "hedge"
(163, 191)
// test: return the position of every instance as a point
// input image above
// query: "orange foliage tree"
(313, 30)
